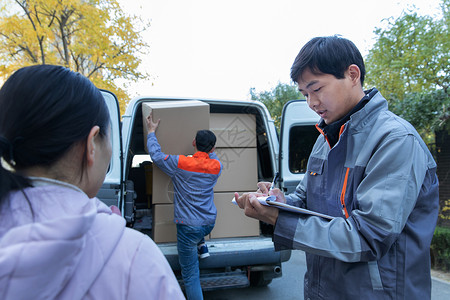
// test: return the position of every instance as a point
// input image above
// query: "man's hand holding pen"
(251, 206)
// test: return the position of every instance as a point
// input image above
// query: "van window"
(301, 141)
(140, 158)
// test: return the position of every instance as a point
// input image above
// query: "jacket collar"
(333, 130)
(377, 103)
(200, 154)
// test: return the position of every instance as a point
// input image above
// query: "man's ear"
(212, 150)
(91, 145)
(194, 144)
(354, 73)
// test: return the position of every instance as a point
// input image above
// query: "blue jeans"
(187, 239)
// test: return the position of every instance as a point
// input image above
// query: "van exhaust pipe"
(277, 270)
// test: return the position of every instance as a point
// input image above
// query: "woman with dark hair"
(57, 241)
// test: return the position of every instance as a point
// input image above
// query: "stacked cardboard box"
(231, 220)
(180, 120)
(164, 229)
(236, 149)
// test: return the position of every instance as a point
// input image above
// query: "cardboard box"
(233, 130)
(163, 192)
(164, 229)
(231, 220)
(180, 121)
(240, 170)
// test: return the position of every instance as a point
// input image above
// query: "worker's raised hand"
(151, 125)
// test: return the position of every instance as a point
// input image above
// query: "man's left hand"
(253, 209)
(151, 125)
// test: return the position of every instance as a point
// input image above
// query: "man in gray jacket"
(371, 171)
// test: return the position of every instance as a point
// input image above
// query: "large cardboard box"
(240, 170)
(163, 191)
(233, 130)
(180, 121)
(231, 220)
(164, 229)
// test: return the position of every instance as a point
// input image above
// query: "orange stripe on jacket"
(344, 189)
(323, 133)
(199, 164)
(341, 130)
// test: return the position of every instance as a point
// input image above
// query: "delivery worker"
(194, 178)
(370, 170)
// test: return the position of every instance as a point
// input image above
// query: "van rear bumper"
(232, 252)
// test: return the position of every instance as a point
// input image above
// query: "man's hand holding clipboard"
(252, 206)
(264, 204)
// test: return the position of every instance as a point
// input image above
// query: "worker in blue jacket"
(193, 178)
(370, 170)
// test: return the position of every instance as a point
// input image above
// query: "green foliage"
(444, 210)
(428, 111)
(275, 99)
(409, 64)
(93, 37)
(411, 55)
(440, 249)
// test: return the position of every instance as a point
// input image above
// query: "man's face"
(329, 97)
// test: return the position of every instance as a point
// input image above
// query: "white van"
(235, 261)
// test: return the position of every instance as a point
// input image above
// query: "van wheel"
(257, 279)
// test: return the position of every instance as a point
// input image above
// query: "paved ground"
(290, 285)
(445, 276)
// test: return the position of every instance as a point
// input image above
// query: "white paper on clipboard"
(270, 201)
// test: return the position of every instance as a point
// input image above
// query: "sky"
(221, 49)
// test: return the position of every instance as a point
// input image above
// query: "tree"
(93, 37)
(409, 63)
(427, 111)
(275, 99)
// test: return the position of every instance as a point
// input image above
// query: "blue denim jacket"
(194, 178)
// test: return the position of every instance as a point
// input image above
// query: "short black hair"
(328, 55)
(205, 140)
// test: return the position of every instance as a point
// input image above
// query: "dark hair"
(205, 140)
(45, 109)
(328, 55)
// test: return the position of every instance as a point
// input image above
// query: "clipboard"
(270, 201)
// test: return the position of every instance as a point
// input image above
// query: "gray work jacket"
(380, 183)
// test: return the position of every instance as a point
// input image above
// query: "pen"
(274, 181)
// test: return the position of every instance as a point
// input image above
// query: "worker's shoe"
(202, 250)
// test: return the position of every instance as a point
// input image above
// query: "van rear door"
(111, 191)
(297, 137)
